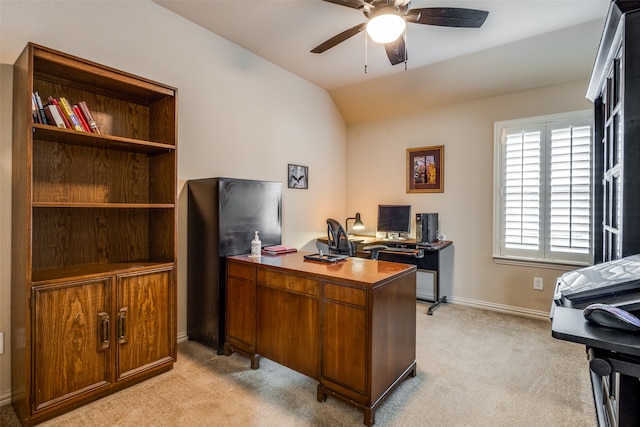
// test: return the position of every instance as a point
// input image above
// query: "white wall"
(376, 174)
(238, 115)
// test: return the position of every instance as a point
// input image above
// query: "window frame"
(543, 256)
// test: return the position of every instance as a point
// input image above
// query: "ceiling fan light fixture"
(385, 28)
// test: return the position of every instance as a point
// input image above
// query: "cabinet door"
(71, 340)
(241, 307)
(144, 324)
(288, 322)
(345, 337)
(287, 329)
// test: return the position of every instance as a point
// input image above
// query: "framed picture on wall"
(298, 176)
(425, 169)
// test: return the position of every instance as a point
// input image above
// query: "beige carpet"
(475, 368)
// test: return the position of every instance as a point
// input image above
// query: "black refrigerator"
(223, 215)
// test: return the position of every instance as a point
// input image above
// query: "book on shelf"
(42, 115)
(54, 116)
(88, 117)
(53, 101)
(68, 111)
(80, 116)
(35, 114)
(61, 113)
(278, 249)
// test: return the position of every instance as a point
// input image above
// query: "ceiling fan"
(391, 16)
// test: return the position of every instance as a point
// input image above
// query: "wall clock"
(298, 176)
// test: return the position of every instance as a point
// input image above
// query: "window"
(542, 189)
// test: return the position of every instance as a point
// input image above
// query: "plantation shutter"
(522, 190)
(570, 185)
(543, 189)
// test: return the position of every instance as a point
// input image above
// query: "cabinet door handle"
(104, 328)
(122, 325)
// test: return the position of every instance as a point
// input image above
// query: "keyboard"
(325, 258)
(400, 250)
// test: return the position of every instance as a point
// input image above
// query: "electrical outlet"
(1, 342)
(538, 283)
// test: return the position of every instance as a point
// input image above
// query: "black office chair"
(338, 241)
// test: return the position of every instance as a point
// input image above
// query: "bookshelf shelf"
(74, 137)
(104, 205)
(81, 272)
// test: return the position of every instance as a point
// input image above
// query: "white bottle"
(256, 247)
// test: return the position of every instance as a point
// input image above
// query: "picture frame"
(298, 176)
(425, 169)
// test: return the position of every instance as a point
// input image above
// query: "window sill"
(523, 262)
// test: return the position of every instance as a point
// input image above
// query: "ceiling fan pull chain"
(405, 48)
(366, 56)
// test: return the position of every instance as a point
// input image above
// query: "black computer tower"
(426, 227)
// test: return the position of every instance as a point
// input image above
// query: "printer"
(615, 282)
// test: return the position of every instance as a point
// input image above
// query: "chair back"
(338, 241)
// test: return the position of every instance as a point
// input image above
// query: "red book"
(88, 117)
(278, 249)
(81, 118)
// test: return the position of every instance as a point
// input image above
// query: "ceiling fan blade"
(396, 51)
(354, 4)
(447, 17)
(339, 38)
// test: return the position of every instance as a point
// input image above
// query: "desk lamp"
(357, 224)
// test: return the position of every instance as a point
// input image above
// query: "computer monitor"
(394, 219)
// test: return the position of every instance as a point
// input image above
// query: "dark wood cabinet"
(93, 295)
(615, 90)
(350, 325)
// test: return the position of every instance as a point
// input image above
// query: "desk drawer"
(345, 294)
(241, 271)
(290, 283)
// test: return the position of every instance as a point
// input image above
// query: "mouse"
(611, 316)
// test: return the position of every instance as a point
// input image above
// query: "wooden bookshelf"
(94, 235)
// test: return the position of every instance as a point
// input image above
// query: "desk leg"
(436, 304)
(255, 358)
(436, 292)
(369, 410)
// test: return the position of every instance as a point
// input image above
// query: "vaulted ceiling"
(523, 44)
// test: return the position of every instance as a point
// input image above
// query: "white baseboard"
(499, 307)
(5, 398)
(182, 336)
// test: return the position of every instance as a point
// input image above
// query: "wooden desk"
(350, 325)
